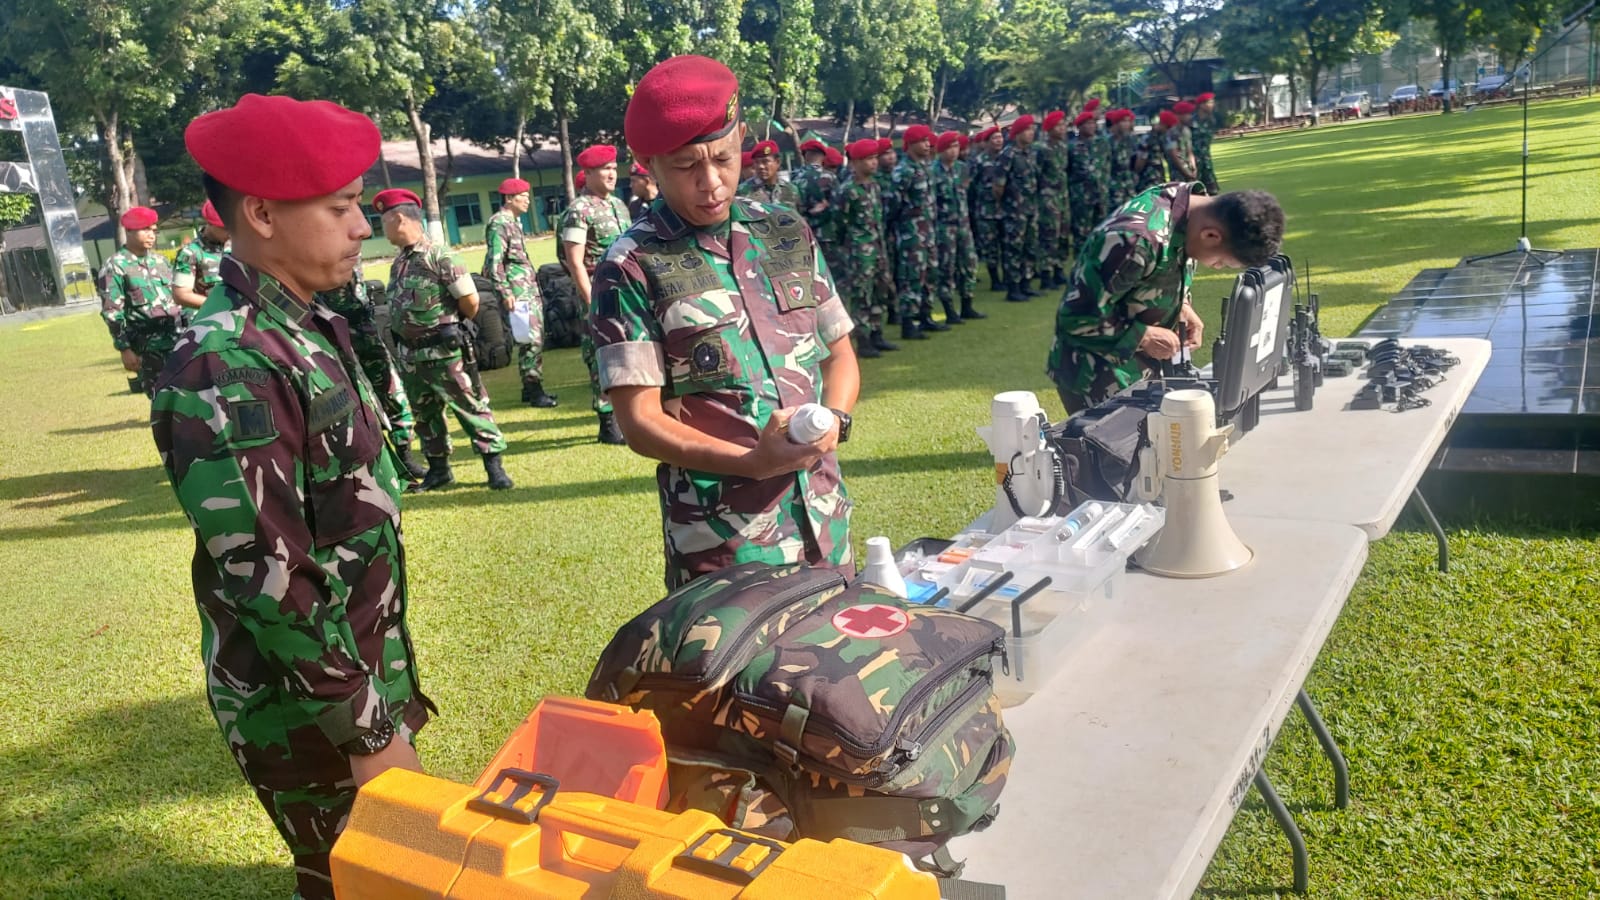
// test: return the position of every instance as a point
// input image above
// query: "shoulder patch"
(241, 375)
(251, 420)
(329, 408)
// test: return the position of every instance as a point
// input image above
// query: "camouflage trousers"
(1207, 174)
(914, 260)
(381, 373)
(986, 237)
(1055, 235)
(859, 282)
(1019, 241)
(597, 398)
(438, 385)
(834, 256)
(153, 350)
(530, 356)
(1121, 192)
(957, 274)
(1088, 211)
(1087, 379)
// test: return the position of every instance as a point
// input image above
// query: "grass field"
(1466, 702)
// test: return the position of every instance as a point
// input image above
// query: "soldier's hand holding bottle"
(775, 454)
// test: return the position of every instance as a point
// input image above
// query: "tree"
(1260, 39)
(1053, 51)
(1512, 27)
(1169, 33)
(784, 50)
(1449, 19)
(1413, 44)
(967, 28)
(1330, 32)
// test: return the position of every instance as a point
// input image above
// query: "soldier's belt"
(444, 336)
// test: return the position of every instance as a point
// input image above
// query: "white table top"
(1334, 464)
(1132, 761)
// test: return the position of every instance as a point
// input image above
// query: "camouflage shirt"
(986, 169)
(1131, 273)
(595, 222)
(136, 296)
(1123, 180)
(860, 220)
(731, 323)
(949, 194)
(275, 448)
(1089, 168)
(814, 185)
(911, 210)
(425, 283)
(197, 263)
(1151, 147)
(783, 192)
(1051, 158)
(1017, 173)
(1201, 131)
(505, 259)
(1180, 147)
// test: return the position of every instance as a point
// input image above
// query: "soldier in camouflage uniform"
(429, 295)
(956, 275)
(506, 265)
(1150, 153)
(1015, 186)
(1123, 145)
(1202, 130)
(886, 293)
(641, 190)
(1055, 210)
(815, 186)
(715, 318)
(352, 302)
(273, 443)
(589, 227)
(912, 215)
(1130, 285)
(1088, 177)
(860, 217)
(984, 205)
(1180, 145)
(764, 184)
(136, 300)
(194, 269)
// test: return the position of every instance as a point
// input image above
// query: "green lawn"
(1465, 702)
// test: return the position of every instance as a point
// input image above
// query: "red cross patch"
(873, 621)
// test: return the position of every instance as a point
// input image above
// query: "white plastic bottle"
(810, 423)
(881, 569)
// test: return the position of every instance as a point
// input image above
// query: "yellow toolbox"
(415, 836)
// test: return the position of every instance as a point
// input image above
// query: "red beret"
(746, 158)
(513, 186)
(985, 134)
(1183, 107)
(1092, 105)
(862, 149)
(683, 100)
(209, 213)
(139, 217)
(963, 140)
(280, 148)
(580, 179)
(1053, 118)
(764, 149)
(1023, 123)
(945, 141)
(1168, 118)
(885, 145)
(639, 170)
(1204, 97)
(813, 145)
(832, 158)
(389, 199)
(597, 156)
(1083, 117)
(916, 134)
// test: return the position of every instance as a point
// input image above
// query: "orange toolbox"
(411, 835)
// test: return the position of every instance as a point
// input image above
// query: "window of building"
(467, 209)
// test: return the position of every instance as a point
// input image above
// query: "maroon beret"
(832, 158)
(946, 140)
(683, 100)
(862, 149)
(814, 145)
(1183, 107)
(580, 180)
(885, 145)
(513, 186)
(985, 134)
(639, 170)
(597, 156)
(1053, 118)
(1168, 118)
(280, 148)
(1204, 97)
(138, 218)
(1023, 123)
(963, 139)
(763, 149)
(746, 158)
(1092, 105)
(916, 134)
(209, 213)
(389, 199)
(1083, 118)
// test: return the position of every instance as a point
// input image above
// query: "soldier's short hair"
(1254, 222)
(225, 200)
(408, 211)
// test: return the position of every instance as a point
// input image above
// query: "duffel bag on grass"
(866, 717)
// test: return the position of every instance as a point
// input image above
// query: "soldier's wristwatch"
(371, 741)
(844, 424)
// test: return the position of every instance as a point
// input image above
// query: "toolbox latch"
(508, 796)
(729, 855)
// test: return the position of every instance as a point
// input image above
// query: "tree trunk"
(566, 153)
(1444, 74)
(120, 202)
(430, 180)
(938, 98)
(449, 167)
(516, 148)
(1312, 71)
(136, 175)
(1294, 96)
(849, 119)
(383, 165)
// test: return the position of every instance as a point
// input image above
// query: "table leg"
(1341, 769)
(1297, 842)
(1438, 530)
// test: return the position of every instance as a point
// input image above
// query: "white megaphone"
(1025, 479)
(1180, 466)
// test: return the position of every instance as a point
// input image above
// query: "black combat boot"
(609, 432)
(414, 470)
(909, 331)
(865, 350)
(951, 317)
(967, 312)
(881, 342)
(1014, 293)
(498, 479)
(929, 323)
(1061, 277)
(438, 476)
(533, 394)
(1027, 289)
(995, 284)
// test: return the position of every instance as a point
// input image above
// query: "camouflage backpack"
(795, 706)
